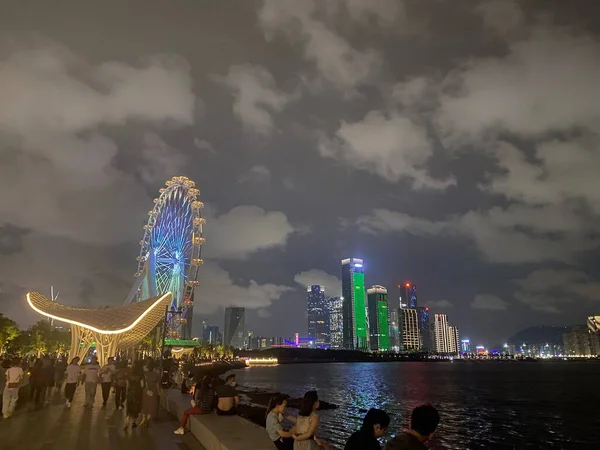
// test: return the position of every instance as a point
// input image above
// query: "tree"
(21, 345)
(57, 340)
(39, 335)
(9, 330)
(42, 338)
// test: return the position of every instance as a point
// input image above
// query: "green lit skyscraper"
(356, 333)
(379, 326)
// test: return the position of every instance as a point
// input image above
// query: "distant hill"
(539, 335)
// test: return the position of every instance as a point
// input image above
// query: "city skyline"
(430, 139)
(363, 319)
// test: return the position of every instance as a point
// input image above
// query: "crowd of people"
(303, 435)
(136, 386)
(210, 395)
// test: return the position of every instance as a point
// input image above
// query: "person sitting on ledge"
(187, 383)
(423, 422)
(228, 397)
(307, 424)
(375, 424)
(282, 439)
(202, 403)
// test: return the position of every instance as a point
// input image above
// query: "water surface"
(483, 405)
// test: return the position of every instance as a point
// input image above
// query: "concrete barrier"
(218, 432)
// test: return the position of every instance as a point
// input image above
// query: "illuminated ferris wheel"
(170, 252)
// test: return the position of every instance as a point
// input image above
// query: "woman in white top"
(73, 375)
(307, 424)
(14, 378)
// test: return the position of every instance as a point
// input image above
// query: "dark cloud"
(11, 239)
(488, 302)
(452, 145)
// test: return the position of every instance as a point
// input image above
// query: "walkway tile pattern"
(55, 427)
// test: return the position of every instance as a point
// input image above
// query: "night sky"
(450, 143)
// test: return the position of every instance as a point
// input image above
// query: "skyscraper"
(408, 295)
(441, 333)
(210, 333)
(335, 311)
(425, 329)
(318, 329)
(395, 344)
(233, 332)
(379, 326)
(355, 313)
(465, 346)
(410, 336)
(593, 324)
(454, 340)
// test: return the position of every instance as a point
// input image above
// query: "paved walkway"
(55, 427)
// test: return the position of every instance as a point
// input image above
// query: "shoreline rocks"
(256, 411)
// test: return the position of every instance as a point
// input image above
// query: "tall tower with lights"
(441, 333)
(356, 333)
(379, 324)
(318, 328)
(234, 330)
(408, 295)
(335, 319)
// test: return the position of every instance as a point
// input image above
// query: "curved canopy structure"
(109, 327)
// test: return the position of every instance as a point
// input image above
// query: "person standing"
(423, 422)
(14, 378)
(134, 394)
(121, 375)
(73, 374)
(37, 383)
(59, 373)
(91, 374)
(151, 393)
(107, 373)
(48, 379)
(375, 425)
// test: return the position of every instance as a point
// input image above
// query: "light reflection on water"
(503, 405)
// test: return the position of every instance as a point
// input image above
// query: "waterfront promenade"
(55, 427)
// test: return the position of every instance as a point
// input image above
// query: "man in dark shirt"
(374, 426)
(228, 397)
(423, 422)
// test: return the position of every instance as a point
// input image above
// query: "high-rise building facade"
(593, 324)
(579, 341)
(408, 295)
(425, 329)
(233, 332)
(335, 312)
(454, 338)
(356, 335)
(465, 346)
(441, 333)
(318, 329)
(210, 333)
(395, 344)
(410, 336)
(379, 325)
